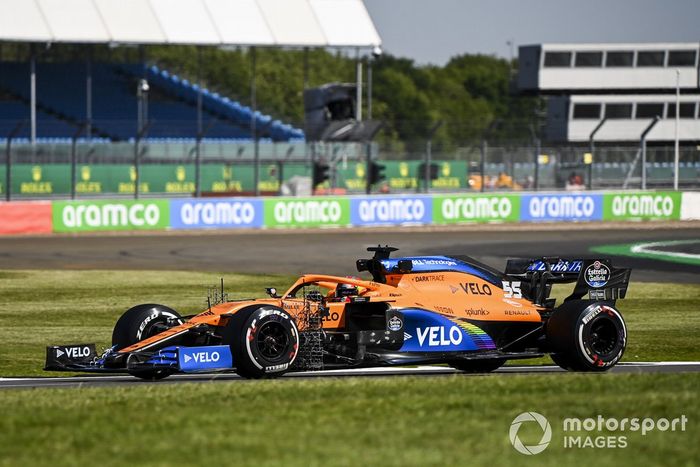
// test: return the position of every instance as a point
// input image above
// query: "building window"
(687, 110)
(557, 59)
(681, 58)
(615, 59)
(655, 58)
(589, 59)
(587, 111)
(650, 110)
(616, 111)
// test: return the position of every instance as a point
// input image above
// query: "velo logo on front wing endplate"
(215, 357)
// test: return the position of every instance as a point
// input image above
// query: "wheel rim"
(604, 336)
(272, 340)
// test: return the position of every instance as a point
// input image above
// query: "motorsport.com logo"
(593, 429)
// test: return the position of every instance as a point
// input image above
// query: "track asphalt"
(334, 251)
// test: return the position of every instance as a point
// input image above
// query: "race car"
(415, 310)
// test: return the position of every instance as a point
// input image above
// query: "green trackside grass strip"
(645, 250)
(400, 421)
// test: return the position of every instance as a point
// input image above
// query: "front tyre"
(264, 341)
(586, 336)
(139, 323)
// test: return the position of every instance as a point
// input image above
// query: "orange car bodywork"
(443, 292)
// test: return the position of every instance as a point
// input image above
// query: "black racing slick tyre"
(139, 323)
(264, 341)
(585, 336)
(478, 366)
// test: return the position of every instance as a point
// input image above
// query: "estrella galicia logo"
(391, 211)
(395, 324)
(530, 417)
(221, 213)
(562, 207)
(597, 275)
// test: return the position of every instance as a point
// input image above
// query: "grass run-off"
(38, 308)
(398, 421)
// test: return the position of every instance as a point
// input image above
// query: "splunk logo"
(109, 215)
(370, 211)
(227, 213)
(305, 212)
(562, 207)
(643, 205)
(476, 208)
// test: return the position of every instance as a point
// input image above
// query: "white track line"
(379, 370)
(648, 248)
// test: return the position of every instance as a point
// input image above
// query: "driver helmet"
(345, 290)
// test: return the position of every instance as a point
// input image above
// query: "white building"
(624, 86)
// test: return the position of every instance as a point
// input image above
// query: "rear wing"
(596, 279)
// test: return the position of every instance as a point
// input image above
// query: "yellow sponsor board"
(225, 186)
(129, 187)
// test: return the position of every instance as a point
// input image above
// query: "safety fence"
(32, 217)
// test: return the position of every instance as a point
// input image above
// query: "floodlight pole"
(88, 94)
(253, 124)
(74, 159)
(369, 87)
(484, 148)
(143, 124)
(358, 90)
(198, 141)
(676, 160)
(643, 143)
(591, 148)
(429, 156)
(537, 142)
(32, 95)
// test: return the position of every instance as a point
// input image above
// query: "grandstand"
(61, 101)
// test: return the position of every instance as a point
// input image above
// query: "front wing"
(178, 359)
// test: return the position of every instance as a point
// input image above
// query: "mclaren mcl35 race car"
(415, 310)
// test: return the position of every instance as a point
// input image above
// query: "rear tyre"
(478, 366)
(139, 323)
(586, 336)
(264, 341)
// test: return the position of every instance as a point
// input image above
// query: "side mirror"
(405, 265)
(272, 292)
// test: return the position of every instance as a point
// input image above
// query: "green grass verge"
(402, 421)
(38, 308)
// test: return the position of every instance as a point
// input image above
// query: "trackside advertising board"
(390, 210)
(20, 217)
(456, 209)
(25, 217)
(86, 216)
(219, 213)
(653, 205)
(561, 207)
(307, 212)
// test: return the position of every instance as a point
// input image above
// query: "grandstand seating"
(61, 104)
